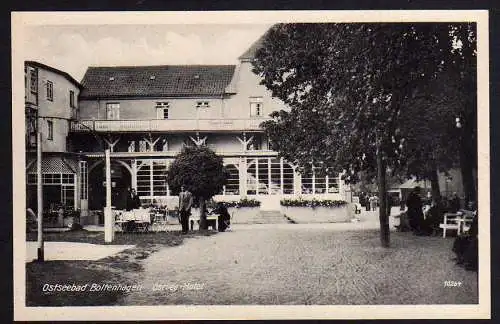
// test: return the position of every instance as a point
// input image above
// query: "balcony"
(168, 125)
(173, 154)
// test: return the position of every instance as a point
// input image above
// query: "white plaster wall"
(58, 110)
(137, 108)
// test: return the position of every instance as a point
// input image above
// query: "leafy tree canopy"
(355, 90)
(199, 170)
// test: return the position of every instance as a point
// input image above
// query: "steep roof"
(151, 81)
(54, 70)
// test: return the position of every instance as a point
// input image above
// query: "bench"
(451, 221)
(212, 221)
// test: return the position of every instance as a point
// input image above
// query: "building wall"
(58, 111)
(136, 109)
(248, 86)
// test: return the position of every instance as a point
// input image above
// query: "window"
(50, 91)
(162, 109)
(202, 104)
(71, 98)
(113, 110)
(50, 127)
(33, 81)
(256, 107)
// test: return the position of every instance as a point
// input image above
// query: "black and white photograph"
(251, 165)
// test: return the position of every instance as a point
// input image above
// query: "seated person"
(433, 217)
(224, 217)
(465, 247)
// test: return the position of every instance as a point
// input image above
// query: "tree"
(200, 171)
(349, 88)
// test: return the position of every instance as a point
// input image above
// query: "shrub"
(244, 202)
(312, 203)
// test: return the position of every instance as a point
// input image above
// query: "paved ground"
(304, 264)
(73, 251)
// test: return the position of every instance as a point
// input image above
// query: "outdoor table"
(141, 218)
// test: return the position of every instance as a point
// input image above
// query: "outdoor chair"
(468, 218)
(451, 221)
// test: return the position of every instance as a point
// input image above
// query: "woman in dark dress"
(415, 213)
(224, 217)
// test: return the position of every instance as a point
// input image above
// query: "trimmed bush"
(244, 202)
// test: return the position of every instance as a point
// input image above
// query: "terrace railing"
(167, 125)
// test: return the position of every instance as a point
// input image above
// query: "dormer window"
(202, 104)
(111, 78)
(162, 109)
(152, 77)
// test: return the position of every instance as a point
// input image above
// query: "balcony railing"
(167, 125)
(171, 154)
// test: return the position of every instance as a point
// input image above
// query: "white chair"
(451, 221)
(468, 219)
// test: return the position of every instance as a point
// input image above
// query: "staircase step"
(270, 217)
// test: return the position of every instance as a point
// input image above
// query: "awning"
(409, 184)
(55, 164)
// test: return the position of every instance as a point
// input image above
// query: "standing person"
(415, 213)
(454, 203)
(373, 203)
(390, 201)
(133, 201)
(185, 204)
(366, 198)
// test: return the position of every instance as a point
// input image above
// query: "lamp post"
(40, 248)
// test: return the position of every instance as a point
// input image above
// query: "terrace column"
(108, 215)
(242, 174)
(297, 182)
(244, 142)
(281, 176)
(83, 185)
(342, 192)
(134, 174)
(111, 143)
(269, 178)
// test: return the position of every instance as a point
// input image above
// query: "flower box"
(317, 214)
(243, 215)
(316, 211)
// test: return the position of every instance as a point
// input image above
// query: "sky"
(73, 48)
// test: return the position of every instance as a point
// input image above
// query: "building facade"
(51, 103)
(145, 115)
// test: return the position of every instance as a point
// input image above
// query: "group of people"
(370, 202)
(185, 205)
(465, 245)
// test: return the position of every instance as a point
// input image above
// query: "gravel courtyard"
(303, 264)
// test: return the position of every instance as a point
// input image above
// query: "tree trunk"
(435, 191)
(203, 215)
(467, 173)
(384, 220)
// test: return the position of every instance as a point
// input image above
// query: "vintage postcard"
(251, 165)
